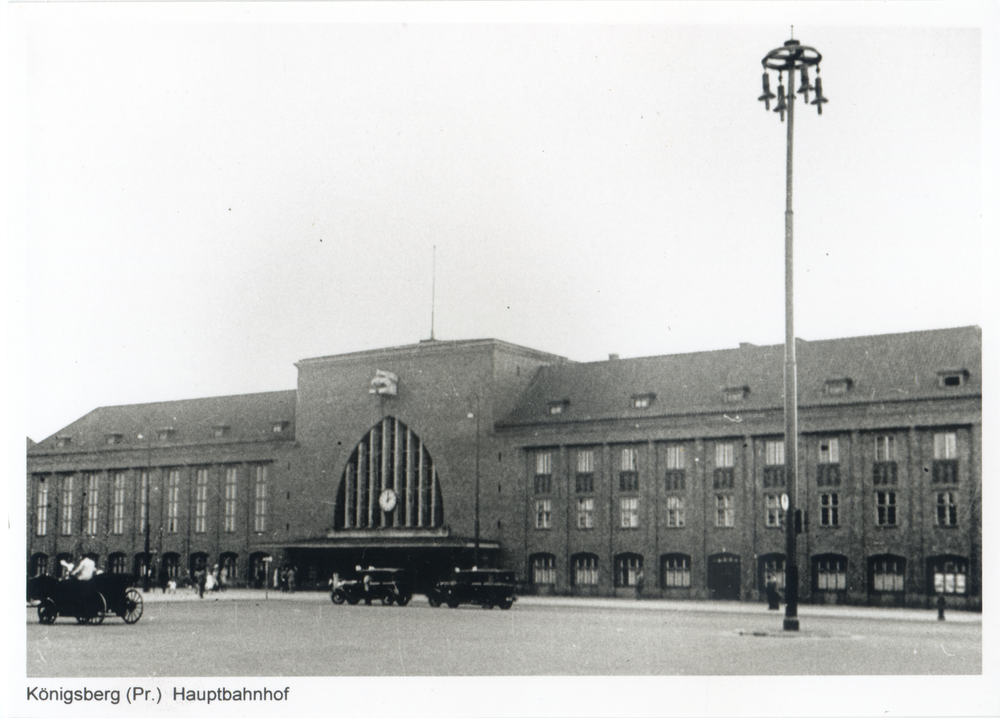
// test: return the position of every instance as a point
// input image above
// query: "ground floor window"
(830, 572)
(888, 573)
(585, 570)
(628, 569)
(676, 570)
(543, 569)
(772, 568)
(38, 565)
(117, 563)
(948, 574)
(171, 566)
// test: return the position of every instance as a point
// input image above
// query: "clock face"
(387, 500)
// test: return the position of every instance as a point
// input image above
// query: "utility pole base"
(791, 624)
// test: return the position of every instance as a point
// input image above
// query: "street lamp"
(788, 59)
(475, 559)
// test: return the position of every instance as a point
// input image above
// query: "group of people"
(286, 578)
(205, 580)
(83, 570)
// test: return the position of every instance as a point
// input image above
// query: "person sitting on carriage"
(85, 569)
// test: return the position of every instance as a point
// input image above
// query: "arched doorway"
(724, 576)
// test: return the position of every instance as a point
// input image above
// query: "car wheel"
(387, 599)
(47, 612)
(337, 597)
(133, 606)
(505, 606)
(404, 599)
(452, 604)
(434, 601)
(353, 600)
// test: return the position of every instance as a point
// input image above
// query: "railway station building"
(584, 478)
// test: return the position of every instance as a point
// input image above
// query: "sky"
(201, 197)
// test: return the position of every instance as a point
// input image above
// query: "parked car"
(386, 585)
(487, 587)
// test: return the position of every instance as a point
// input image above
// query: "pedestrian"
(640, 583)
(940, 607)
(291, 579)
(201, 578)
(367, 583)
(773, 598)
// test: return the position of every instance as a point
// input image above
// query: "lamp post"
(788, 59)
(475, 559)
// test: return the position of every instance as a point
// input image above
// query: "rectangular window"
(173, 500)
(630, 513)
(585, 471)
(675, 468)
(543, 569)
(888, 575)
(260, 498)
(675, 511)
(543, 514)
(885, 448)
(93, 483)
(829, 510)
(675, 480)
(42, 509)
(884, 473)
(725, 456)
(829, 451)
(628, 478)
(677, 572)
(230, 518)
(831, 575)
(885, 508)
(725, 511)
(543, 472)
(200, 500)
(949, 576)
(118, 517)
(775, 516)
(946, 445)
(774, 453)
(66, 506)
(585, 513)
(143, 501)
(828, 474)
(585, 571)
(947, 508)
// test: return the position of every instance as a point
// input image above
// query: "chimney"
(613, 357)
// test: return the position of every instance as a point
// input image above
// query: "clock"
(387, 500)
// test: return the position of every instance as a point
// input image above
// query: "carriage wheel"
(47, 612)
(133, 606)
(95, 614)
(337, 597)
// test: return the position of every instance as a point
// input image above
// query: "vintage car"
(386, 585)
(87, 601)
(487, 587)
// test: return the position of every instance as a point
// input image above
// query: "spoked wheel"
(404, 599)
(95, 610)
(133, 606)
(337, 597)
(47, 612)
(434, 601)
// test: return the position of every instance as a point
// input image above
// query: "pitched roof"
(887, 367)
(215, 420)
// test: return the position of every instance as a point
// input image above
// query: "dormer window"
(558, 407)
(220, 431)
(112, 439)
(642, 401)
(63, 442)
(953, 378)
(838, 387)
(735, 394)
(165, 434)
(279, 426)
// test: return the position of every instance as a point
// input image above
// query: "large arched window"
(389, 481)
(771, 565)
(171, 565)
(543, 569)
(675, 570)
(829, 572)
(38, 565)
(628, 569)
(584, 570)
(886, 573)
(117, 563)
(947, 574)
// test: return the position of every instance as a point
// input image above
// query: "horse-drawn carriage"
(87, 601)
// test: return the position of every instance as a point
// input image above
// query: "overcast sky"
(205, 199)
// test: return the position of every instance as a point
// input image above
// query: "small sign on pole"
(784, 502)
